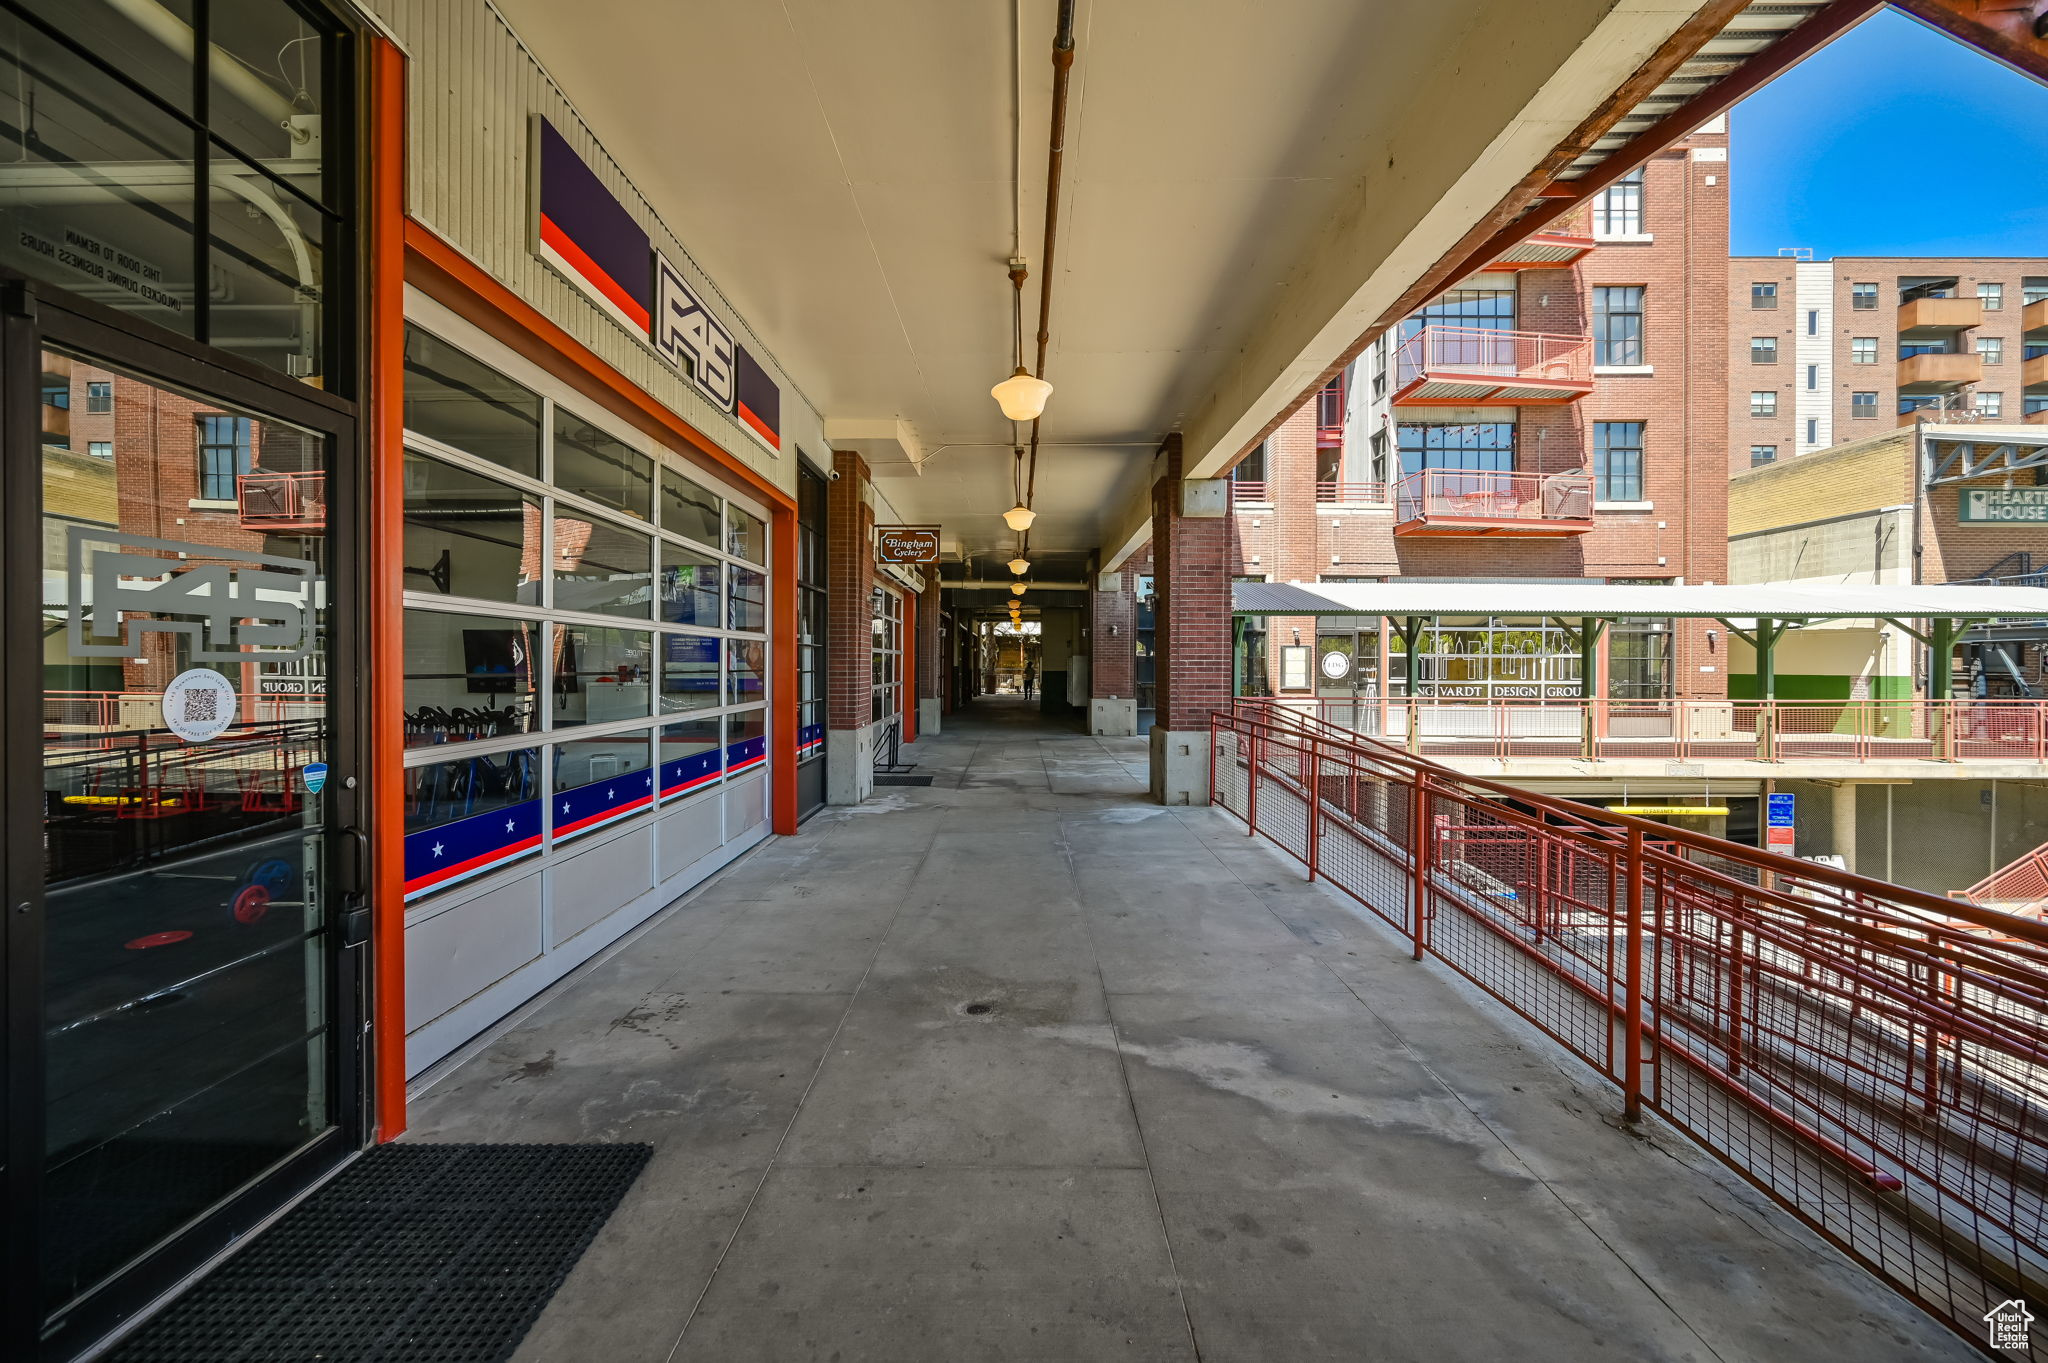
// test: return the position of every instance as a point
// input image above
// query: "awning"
(1603, 600)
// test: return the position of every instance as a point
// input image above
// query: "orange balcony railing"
(1247, 490)
(1460, 366)
(282, 501)
(1486, 502)
(1352, 494)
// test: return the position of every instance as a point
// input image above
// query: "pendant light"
(1021, 396)
(1020, 587)
(1020, 565)
(1015, 605)
(1019, 517)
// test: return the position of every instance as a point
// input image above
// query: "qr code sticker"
(202, 705)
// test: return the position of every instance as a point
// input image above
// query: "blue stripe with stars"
(583, 808)
(436, 858)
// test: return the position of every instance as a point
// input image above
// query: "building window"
(1251, 468)
(1762, 454)
(1992, 296)
(1617, 461)
(1489, 660)
(100, 449)
(1863, 350)
(1862, 404)
(223, 455)
(1618, 210)
(1813, 430)
(1618, 324)
(1813, 321)
(1990, 404)
(1763, 350)
(2033, 289)
(1812, 377)
(1763, 294)
(1487, 309)
(1487, 446)
(2030, 404)
(99, 396)
(886, 626)
(1991, 349)
(1763, 402)
(1379, 473)
(1863, 297)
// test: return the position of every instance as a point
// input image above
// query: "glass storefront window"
(603, 568)
(689, 672)
(748, 600)
(746, 536)
(600, 781)
(689, 510)
(747, 672)
(1488, 660)
(467, 405)
(600, 675)
(692, 756)
(593, 465)
(746, 741)
(267, 83)
(468, 677)
(689, 587)
(467, 535)
(465, 787)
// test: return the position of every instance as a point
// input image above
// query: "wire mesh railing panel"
(1873, 1057)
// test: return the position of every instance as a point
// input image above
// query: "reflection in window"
(467, 535)
(599, 781)
(689, 587)
(470, 816)
(593, 465)
(603, 568)
(223, 455)
(467, 677)
(442, 792)
(748, 599)
(687, 509)
(689, 673)
(746, 741)
(692, 756)
(745, 536)
(1483, 445)
(746, 661)
(466, 404)
(600, 674)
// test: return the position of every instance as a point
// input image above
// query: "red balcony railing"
(1369, 493)
(1459, 366)
(1543, 251)
(1486, 502)
(1330, 415)
(282, 501)
(1875, 1058)
(1247, 490)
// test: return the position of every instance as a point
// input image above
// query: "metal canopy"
(1602, 600)
(1953, 454)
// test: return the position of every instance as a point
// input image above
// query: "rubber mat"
(413, 1254)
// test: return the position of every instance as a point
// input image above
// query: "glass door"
(184, 1008)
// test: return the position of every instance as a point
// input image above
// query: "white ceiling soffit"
(1247, 188)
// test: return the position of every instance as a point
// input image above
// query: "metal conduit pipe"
(1055, 154)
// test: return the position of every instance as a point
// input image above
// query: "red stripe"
(598, 276)
(691, 784)
(589, 819)
(463, 867)
(747, 765)
(747, 415)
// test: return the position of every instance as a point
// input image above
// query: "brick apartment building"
(1824, 352)
(1562, 414)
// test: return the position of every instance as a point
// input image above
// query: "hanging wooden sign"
(906, 544)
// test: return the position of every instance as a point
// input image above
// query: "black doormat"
(413, 1254)
(883, 778)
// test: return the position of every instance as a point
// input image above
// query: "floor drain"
(975, 1010)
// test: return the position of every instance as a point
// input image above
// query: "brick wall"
(849, 583)
(930, 680)
(1112, 619)
(1193, 560)
(1861, 476)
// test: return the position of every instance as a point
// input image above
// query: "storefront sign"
(98, 260)
(2005, 504)
(1336, 666)
(1778, 821)
(592, 240)
(906, 544)
(231, 606)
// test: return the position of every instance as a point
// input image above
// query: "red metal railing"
(1700, 730)
(1493, 497)
(1330, 414)
(1246, 490)
(1875, 1058)
(1505, 358)
(282, 501)
(1369, 493)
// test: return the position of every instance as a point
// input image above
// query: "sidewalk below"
(1023, 1066)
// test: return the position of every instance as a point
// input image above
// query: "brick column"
(849, 637)
(1191, 558)
(931, 680)
(1112, 663)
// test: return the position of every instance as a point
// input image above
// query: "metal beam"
(2014, 32)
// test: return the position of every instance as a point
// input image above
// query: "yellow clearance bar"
(1667, 809)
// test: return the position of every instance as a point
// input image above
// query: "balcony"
(1351, 494)
(2034, 318)
(1950, 416)
(283, 502)
(1926, 318)
(2034, 372)
(1471, 366)
(1542, 251)
(1934, 373)
(1485, 502)
(1248, 490)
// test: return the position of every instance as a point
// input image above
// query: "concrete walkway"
(1022, 1066)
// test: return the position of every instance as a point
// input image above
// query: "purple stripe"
(577, 201)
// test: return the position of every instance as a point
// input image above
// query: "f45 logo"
(684, 329)
(230, 604)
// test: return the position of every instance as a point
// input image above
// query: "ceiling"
(1239, 181)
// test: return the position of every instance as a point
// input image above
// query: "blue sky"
(1826, 155)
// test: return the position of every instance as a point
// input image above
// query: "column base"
(1109, 717)
(928, 717)
(1180, 766)
(849, 765)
